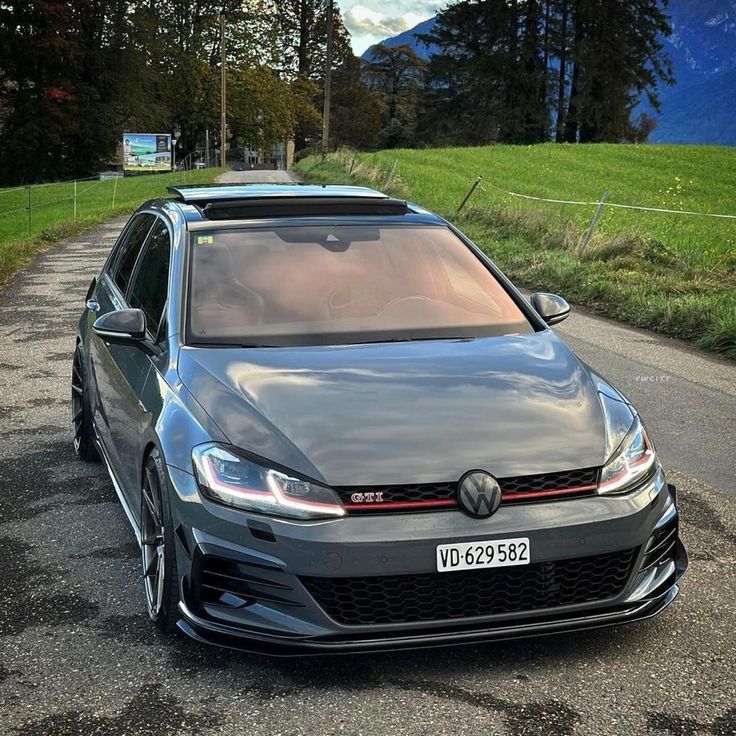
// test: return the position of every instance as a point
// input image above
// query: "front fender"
(178, 422)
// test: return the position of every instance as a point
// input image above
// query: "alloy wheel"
(77, 406)
(153, 545)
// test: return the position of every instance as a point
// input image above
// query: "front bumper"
(209, 633)
(243, 582)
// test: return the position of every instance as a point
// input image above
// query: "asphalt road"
(78, 656)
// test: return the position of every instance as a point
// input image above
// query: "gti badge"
(367, 497)
(479, 494)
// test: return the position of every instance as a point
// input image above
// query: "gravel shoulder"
(78, 656)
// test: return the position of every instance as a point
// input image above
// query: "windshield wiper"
(228, 345)
(412, 339)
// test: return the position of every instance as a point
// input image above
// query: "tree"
(506, 69)
(557, 29)
(617, 58)
(395, 73)
(302, 38)
(488, 83)
(260, 108)
(74, 75)
(531, 91)
(307, 98)
(355, 119)
(302, 28)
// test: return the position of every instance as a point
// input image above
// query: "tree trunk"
(303, 61)
(574, 103)
(562, 77)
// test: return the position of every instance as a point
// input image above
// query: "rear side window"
(129, 250)
(151, 279)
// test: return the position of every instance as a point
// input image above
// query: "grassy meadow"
(673, 273)
(53, 214)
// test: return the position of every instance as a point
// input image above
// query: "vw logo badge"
(479, 494)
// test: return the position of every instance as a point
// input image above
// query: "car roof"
(234, 203)
(196, 194)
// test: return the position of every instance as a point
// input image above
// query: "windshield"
(342, 284)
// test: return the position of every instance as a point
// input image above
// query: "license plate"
(478, 555)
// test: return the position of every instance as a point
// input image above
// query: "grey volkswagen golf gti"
(334, 425)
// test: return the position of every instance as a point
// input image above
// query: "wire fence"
(698, 238)
(707, 238)
(604, 201)
(36, 208)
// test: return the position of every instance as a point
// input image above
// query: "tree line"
(526, 71)
(76, 74)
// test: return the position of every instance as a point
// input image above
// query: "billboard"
(146, 152)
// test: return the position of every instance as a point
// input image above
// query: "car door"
(148, 292)
(120, 370)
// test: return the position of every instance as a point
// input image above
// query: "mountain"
(408, 38)
(701, 106)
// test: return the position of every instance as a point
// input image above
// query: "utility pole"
(328, 80)
(223, 93)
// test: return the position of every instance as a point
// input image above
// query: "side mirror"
(550, 307)
(123, 327)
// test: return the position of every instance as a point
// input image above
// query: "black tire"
(160, 587)
(82, 431)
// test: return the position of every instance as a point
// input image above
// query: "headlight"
(236, 481)
(632, 462)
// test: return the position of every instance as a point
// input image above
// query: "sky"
(371, 21)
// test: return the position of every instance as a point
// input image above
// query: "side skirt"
(119, 491)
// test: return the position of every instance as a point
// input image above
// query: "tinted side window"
(129, 250)
(152, 276)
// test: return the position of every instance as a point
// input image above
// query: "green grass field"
(673, 273)
(53, 214)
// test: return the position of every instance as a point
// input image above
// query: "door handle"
(93, 305)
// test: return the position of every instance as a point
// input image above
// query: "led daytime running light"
(631, 471)
(233, 484)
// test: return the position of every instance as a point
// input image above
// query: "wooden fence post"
(470, 193)
(390, 179)
(591, 228)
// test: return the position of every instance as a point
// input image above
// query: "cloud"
(369, 23)
(363, 21)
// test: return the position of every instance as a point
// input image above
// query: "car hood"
(408, 412)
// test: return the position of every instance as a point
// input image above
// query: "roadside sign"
(147, 152)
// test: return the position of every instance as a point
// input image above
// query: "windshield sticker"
(205, 239)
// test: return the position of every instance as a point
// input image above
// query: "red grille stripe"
(515, 495)
(553, 492)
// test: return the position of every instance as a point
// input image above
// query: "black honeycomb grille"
(512, 489)
(549, 481)
(391, 599)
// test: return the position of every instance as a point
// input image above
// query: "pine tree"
(489, 82)
(506, 70)
(395, 73)
(617, 58)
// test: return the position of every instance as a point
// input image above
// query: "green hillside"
(674, 273)
(53, 213)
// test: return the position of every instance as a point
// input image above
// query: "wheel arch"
(149, 447)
